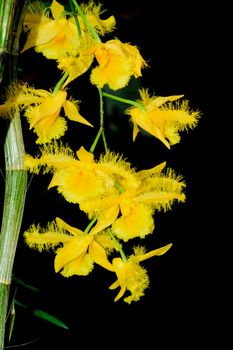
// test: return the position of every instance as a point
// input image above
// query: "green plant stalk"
(5, 13)
(11, 12)
(101, 128)
(124, 100)
(89, 26)
(15, 192)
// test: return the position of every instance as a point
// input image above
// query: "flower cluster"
(119, 201)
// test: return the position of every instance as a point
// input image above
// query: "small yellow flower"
(42, 110)
(117, 63)
(58, 37)
(79, 250)
(54, 37)
(161, 118)
(131, 276)
(92, 12)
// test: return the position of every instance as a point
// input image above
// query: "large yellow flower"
(81, 178)
(42, 110)
(110, 190)
(79, 250)
(134, 207)
(131, 275)
(117, 63)
(161, 118)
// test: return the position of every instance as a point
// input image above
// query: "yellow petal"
(106, 219)
(120, 294)
(148, 172)
(155, 252)
(41, 34)
(50, 107)
(135, 131)
(75, 66)
(49, 129)
(136, 221)
(71, 251)
(121, 270)
(114, 285)
(57, 9)
(73, 230)
(160, 198)
(81, 266)
(72, 113)
(85, 156)
(98, 254)
(160, 100)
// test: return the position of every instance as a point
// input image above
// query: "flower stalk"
(124, 100)
(89, 26)
(101, 128)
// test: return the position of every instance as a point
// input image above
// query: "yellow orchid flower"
(131, 275)
(79, 250)
(161, 118)
(80, 178)
(117, 63)
(132, 210)
(54, 37)
(109, 189)
(92, 13)
(42, 110)
(58, 37)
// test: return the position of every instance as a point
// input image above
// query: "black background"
(176, 39)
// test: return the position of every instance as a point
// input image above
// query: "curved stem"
(124, 100)
(89, 26)
(89, 226)
(118, 245)
(60, 83)
(75, 17)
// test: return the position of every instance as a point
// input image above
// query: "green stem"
(6, 8)
(124, 100)
(89, 26)
(75, 18)
(15, 192)
(89, 226)
(101, 128)
(16, 176)
(118, 245)
(60, 83)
